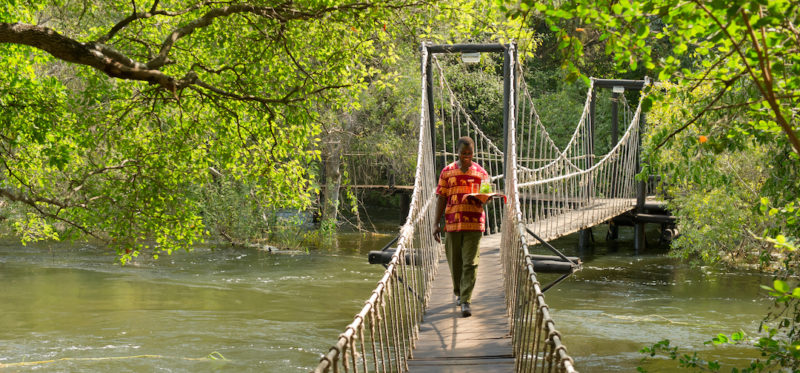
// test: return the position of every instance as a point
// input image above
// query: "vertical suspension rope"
(395, 306)
(544, 185)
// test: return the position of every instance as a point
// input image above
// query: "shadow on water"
(622, 301)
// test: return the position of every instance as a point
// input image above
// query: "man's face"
(465, 155)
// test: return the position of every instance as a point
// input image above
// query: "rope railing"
(458, 122)
(381, 336)
(550, 191)
(536, 143)
(554, 199)
(560, 201)
(536, 343)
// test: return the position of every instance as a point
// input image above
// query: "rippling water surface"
(621, 302)
(262, 312)
(72, 308)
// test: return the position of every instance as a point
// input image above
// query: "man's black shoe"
(465, 310)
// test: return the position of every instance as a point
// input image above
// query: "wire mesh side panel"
(536, 343)
(381, 336)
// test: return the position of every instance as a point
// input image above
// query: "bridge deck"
(600, 211)
(481, 343)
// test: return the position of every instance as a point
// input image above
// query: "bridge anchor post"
(613, 231)
(639, 237)
(585, 239)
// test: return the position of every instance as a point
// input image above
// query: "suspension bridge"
(409, 322)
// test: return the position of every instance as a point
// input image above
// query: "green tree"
(125, 121)
(374, 142)
(114, 113)
(752, 42)
(724, 132)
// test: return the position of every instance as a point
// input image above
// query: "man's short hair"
(464, 140)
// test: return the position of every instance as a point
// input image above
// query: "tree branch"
(144, 15)
(736, 45)
(283, 100)
(769, 86)
(90, 54)
(31, 201)
(719, 95)
(741, 104)
(766, 91)
(710, 69)
(283, 13)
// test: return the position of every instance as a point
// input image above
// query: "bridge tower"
(469, 49)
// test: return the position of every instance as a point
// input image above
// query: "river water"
(622, 301)
(66, 308)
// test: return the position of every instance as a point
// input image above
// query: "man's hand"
(436, 231)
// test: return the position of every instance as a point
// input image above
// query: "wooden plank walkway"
(449, 342)
(600, 211)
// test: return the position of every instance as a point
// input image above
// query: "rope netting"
(457, 122)
(382, 335)
(562, 191)
(554, 192)
(550, 191)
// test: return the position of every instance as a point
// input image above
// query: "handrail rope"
(546, 135)
(633, 125)
(403, 331)
(512, 188)
(463, 111)
(576, 134)
(471, 123)
(527, 94)
(562, 154)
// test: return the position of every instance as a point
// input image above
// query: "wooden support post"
(585, 239)
(614, 119)
(508, 84)
(506, 101)
(639, 238)
(613, 231)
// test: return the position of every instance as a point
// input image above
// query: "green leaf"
(680, 49)
(642, 31)
(720, 339)
(781, 286)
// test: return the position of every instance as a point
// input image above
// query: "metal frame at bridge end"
(639, 240)
(462, 48)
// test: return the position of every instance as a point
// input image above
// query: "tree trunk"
(333, 181)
